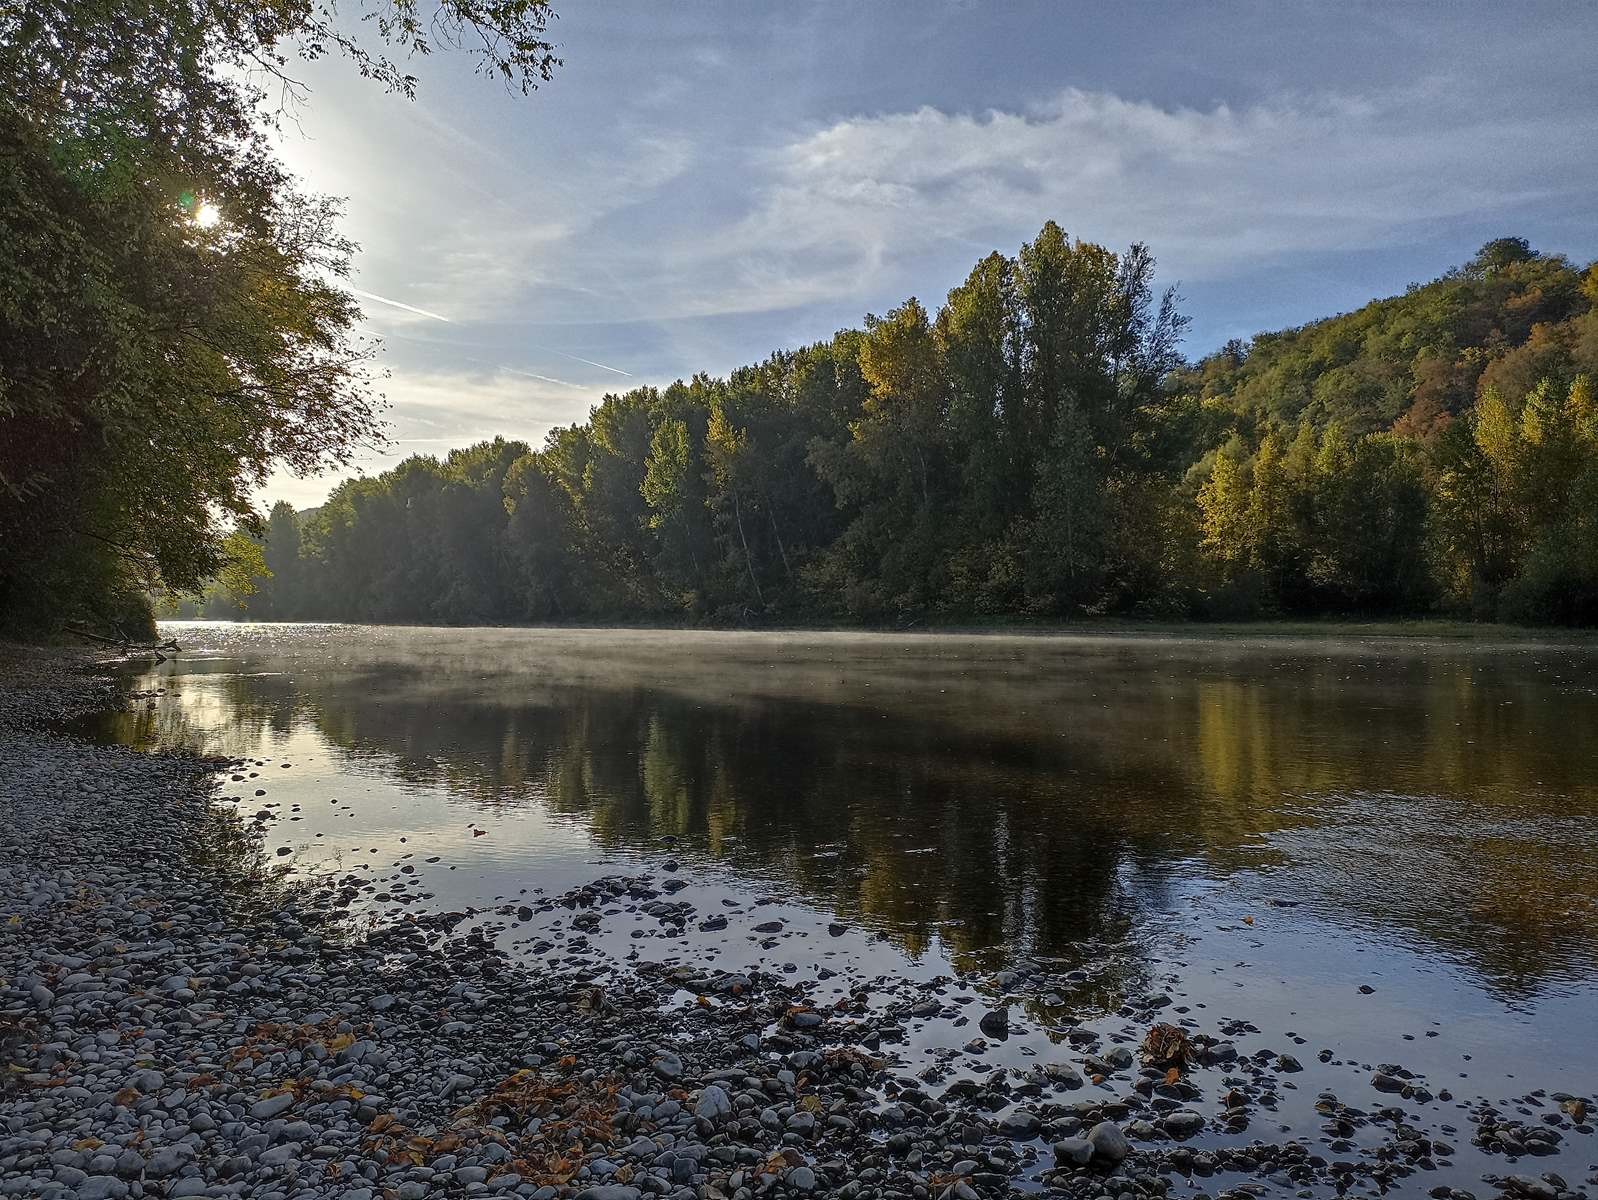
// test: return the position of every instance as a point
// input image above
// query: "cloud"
(1214, 191)
(455, 222)
(432, 412)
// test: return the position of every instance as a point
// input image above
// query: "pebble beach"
(177, 1019)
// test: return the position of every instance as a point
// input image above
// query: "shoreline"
(1440, 629)
(178, 1023)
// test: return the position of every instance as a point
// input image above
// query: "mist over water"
(1258, 824)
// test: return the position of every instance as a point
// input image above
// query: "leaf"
(1248, 920)
(381, 1122)
(1174, 1075)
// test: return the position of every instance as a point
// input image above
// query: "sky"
(703, 183)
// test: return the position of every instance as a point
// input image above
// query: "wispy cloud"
(842, 210)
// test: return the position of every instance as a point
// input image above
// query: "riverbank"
(178, 1020)
(1447, 629)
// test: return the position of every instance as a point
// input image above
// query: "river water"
(1383, 848)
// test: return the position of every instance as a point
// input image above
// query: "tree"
(892, 472)
(542, 541)
(901, 470)
(172, 327)
(1371, 515)
(1067, 556)
(674, 487)
(278, 596)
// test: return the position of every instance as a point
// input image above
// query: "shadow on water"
(1007, 796)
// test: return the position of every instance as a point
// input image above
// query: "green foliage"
(1413, 362)
(1033, 448)
(172, 326)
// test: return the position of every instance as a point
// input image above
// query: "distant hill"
(1412, 363)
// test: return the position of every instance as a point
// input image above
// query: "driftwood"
(127, 645)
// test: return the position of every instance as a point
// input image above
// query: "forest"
(1036, 448)
(174, 330)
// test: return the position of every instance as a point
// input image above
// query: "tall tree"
(172, 327)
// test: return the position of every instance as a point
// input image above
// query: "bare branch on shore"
(127, 645)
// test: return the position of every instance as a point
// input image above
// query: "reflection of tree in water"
(1009, 803)
(232, 714)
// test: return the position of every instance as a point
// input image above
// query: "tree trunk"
(749, 563)
(781, 549)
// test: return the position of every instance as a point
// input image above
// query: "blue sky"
(704, 183)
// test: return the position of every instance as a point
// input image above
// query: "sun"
(207, 215)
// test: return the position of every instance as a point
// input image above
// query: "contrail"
(592, 363)
(543, 378)
(421, 312)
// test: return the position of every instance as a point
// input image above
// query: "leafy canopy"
(172, 324)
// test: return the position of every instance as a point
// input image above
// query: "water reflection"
(1006, 796)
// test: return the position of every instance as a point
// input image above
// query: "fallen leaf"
(1167, 1046)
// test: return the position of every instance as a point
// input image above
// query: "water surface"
(1261, 826)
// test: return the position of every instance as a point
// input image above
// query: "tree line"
(1036, 448)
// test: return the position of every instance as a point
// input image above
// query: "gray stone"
(1073, 1150)
(169, 1160)
(1108, 1142)
(714, 1104)
(272, 1106)
(1020, 1124)
(1183, 1123)
(996, 1023)
(667, 1065)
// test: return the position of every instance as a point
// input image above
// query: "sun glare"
(207, 215)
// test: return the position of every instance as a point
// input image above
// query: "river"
(1385, 849)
